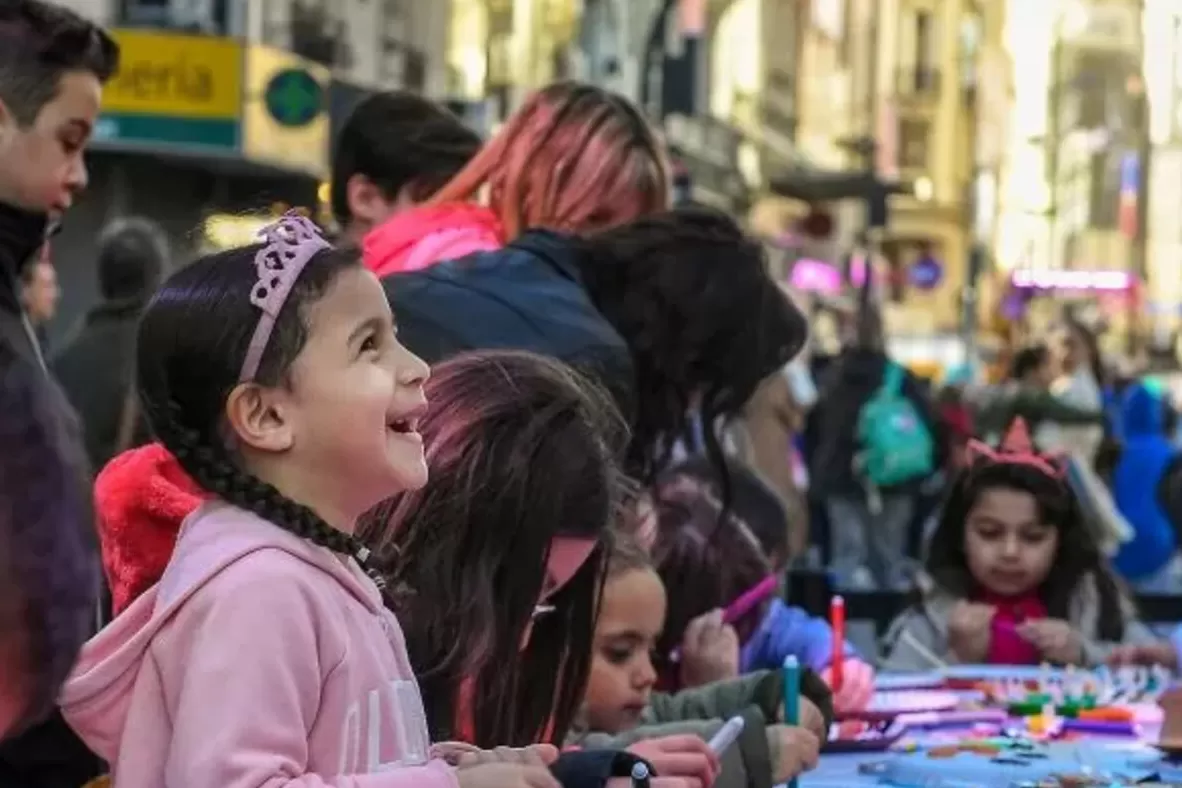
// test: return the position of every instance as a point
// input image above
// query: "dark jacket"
(95, 369)
(831, 429)
(757, 697)
(22, 234)
(527, 296)
(1034, 406)
(47, 755)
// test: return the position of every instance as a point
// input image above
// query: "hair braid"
(212, 468)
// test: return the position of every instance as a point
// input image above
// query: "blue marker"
(640, 775)
(792, 697)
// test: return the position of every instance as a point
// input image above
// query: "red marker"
(837, 621)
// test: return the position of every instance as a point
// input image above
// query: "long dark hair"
(703, 319)
(191, 344)
(521, 450)
(1078, 554)
(707, 558)
(48, 557)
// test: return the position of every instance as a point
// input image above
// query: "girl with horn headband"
(1012, 574)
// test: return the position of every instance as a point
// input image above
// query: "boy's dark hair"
(399, 140)
(1027, 360)
(133, 256)
(39, 43)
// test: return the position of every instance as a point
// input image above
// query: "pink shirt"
(259, 659)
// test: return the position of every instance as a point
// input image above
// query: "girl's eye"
(617, 656)
(371, 342)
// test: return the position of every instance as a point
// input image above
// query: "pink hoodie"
(425, 235)
(259, 659)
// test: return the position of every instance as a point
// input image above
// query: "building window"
(914, 139)
(1104, 197)
(924, 41)
(210, 17)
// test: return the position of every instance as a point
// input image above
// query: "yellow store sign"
(177, 76)
(285, 121)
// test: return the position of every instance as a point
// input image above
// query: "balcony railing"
(918, 82)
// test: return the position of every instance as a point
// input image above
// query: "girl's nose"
(645, 675)
(412, 370)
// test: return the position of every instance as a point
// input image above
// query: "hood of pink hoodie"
(96, 698)
(423, 236)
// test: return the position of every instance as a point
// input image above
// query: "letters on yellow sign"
(164, 81)
(176, 75)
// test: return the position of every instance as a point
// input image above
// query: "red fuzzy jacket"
(142, 496)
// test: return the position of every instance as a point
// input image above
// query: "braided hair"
(191, 344)
(704, 321)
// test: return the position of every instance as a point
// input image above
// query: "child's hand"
(686, 757)
(793, 750)
(857, 685)
(968, 630)
(1054, 639)
(709, 651)
(1162, 653)
(506, 775)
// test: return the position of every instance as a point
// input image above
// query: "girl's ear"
(257, 418)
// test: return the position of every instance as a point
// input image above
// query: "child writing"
(620, 707)
(495, 567)
(1013, 575)
(710, 561)
(264, 655)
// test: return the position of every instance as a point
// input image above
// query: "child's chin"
(410, 475)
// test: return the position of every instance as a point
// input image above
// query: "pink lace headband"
(289, 244)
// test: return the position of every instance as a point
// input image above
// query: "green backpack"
(896, 446)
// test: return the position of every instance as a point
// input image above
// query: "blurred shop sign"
(286, 115)
(174, 90)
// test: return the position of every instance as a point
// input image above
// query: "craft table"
(842, 770)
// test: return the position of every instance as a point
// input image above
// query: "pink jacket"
(423, 236)
(259, 659)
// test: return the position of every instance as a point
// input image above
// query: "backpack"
(896, 446)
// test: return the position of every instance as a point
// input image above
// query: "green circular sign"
(294, 98)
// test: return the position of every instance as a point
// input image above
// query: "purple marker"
(1103, 727)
